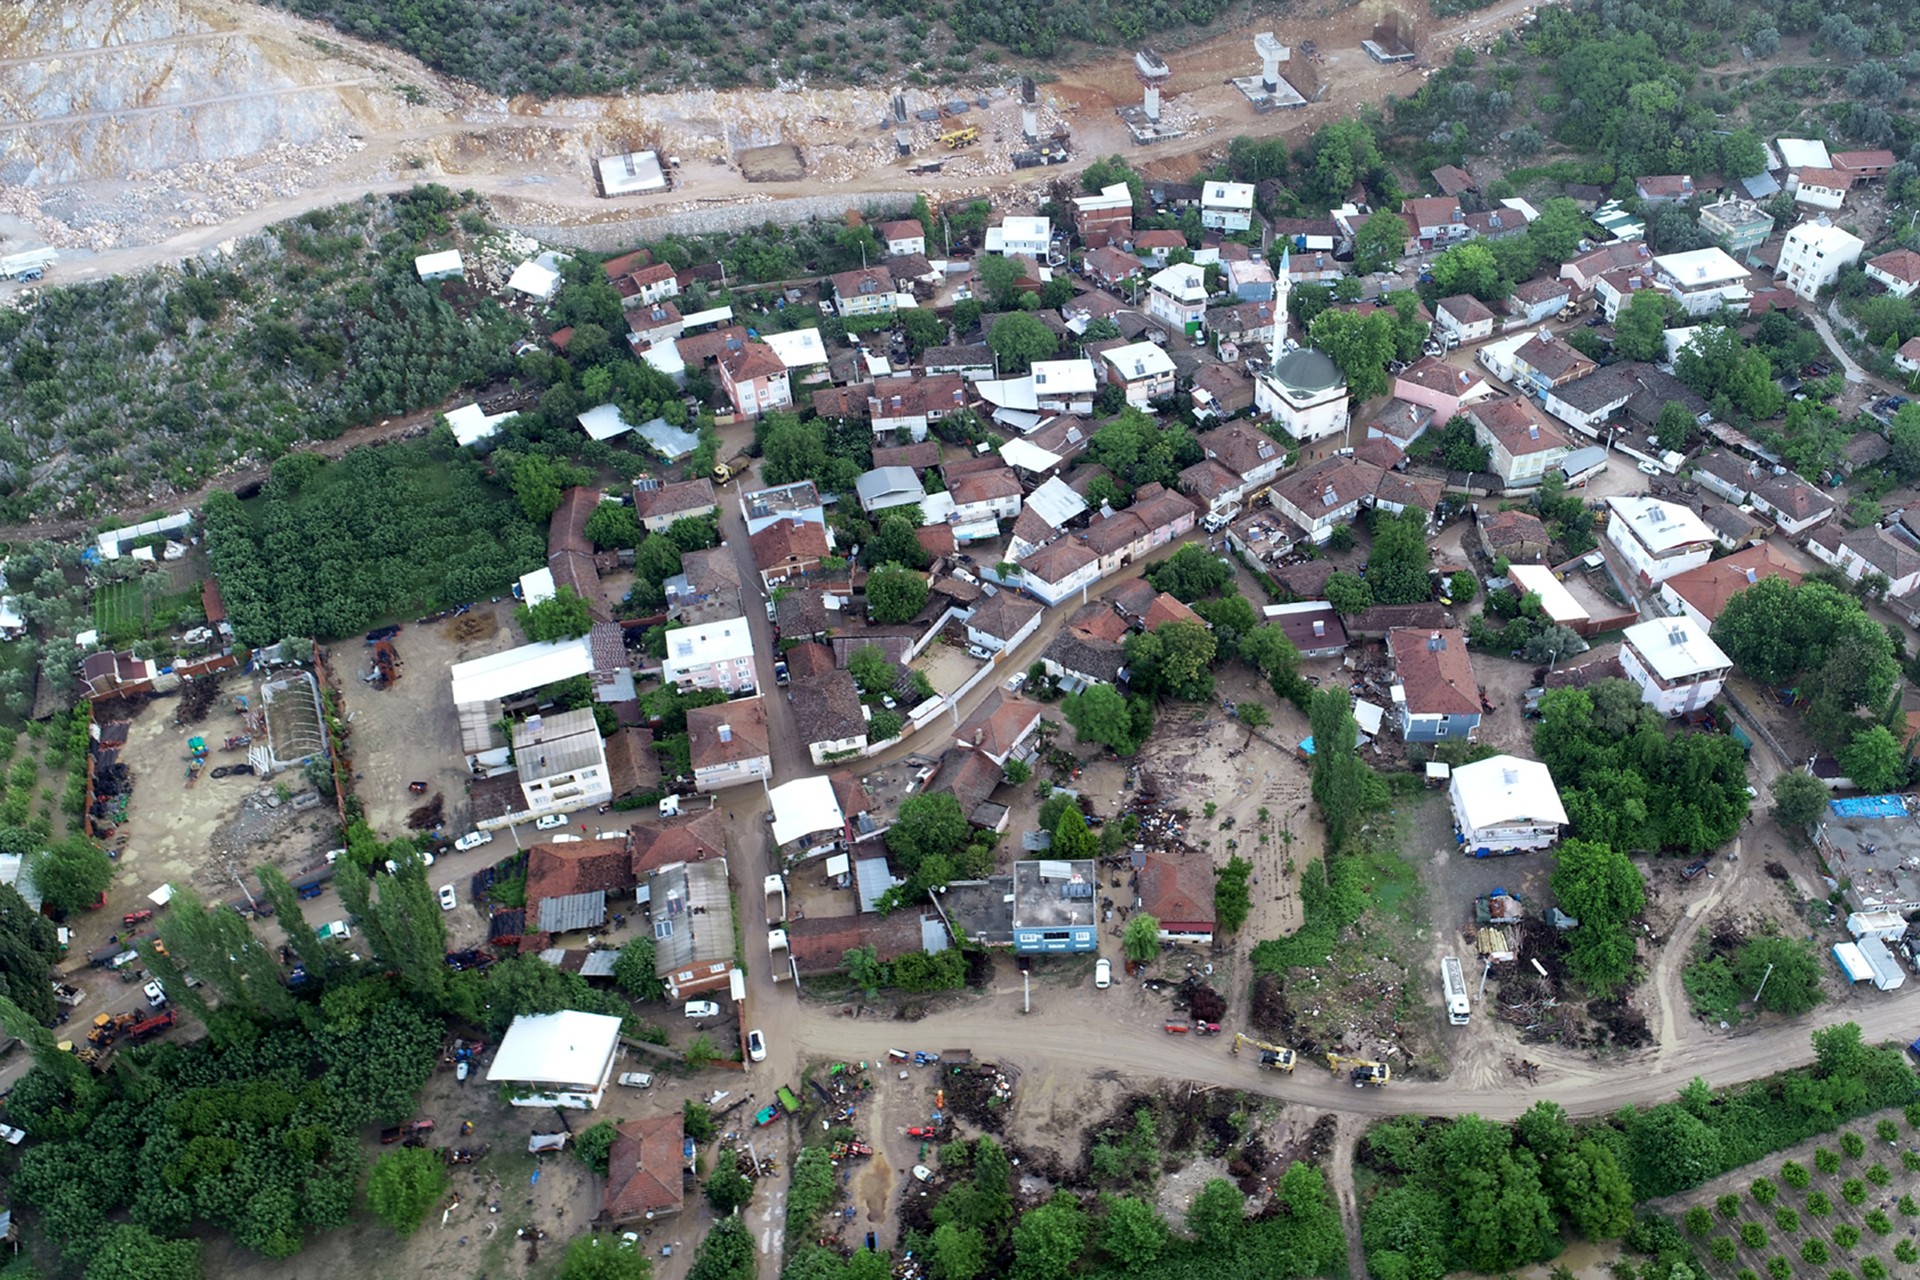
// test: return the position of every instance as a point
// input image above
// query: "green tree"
(1132, 1234)
(1558, 230)
(1378, 244)
(612, 526)
(872, 670)
(1072, 841)
(1359, 346)
(594, 1146)
(959, 1252)
(1216, 1213)
(924, 328)
(1231, 617)
(1793, 985)
(1048, 1240)
(71, 874)
(864, 970)
(561, 616)
(1100, 714)
(1874, 760)
(1469, 268)
(1019, 339)
(1141, 938)
(1343, 153)
(134, 1253)
(1139, 449)
(697, 1119)
(1674, 426)
(1000, 277)
(537, 483)
(1257, 159)
(928, 824)
(1671, 1149)
(404, 1187)
(634, 970)
(28, 948)
(895, 593)
(1338, 776)
(1640, 327)
(1174, 660)
(1398, 566)
(725, 1254)
(609, 1257)
(727, 1187)
(1190, 573)
(1349, 593)
(1232, 899)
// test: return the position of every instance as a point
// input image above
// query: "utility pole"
(1763, 984)
(1026, 998)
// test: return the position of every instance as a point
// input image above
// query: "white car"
(1646, 468)
(702, 1009)
(12, 1136)
(447, 899)
(1102, 973)
(923, 1173)
(156, 995)
(636, 1079)
(756, 1046)
(473, 840)
(426, 857)
(550, 821)
(1017, 681)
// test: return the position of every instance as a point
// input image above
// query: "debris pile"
(980, 1094)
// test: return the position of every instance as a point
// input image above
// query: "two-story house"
(1820, 188)
(1463, 319)
(562, 761)
(1539, 300)
(902, 237)
(1159, 245)
(1226, 206)
(1741, 225)
(985, 497)
(1670, 188)
(1055, 570)
(1002, 621)
(1435, 221)
(828, 715)
(1021, 236)
(1434, 693)
(711, 655)
(1245, 458)
(912, 405)
(1142, 370)
(1247, 322)
(1657, 539)
(728, 744)
(1504, 804)
(1105, 218)
(1586, 404)
(659, 507)
(1869, 550)
(1702, 281)
(652, 284)
(867, 291)
(1898, 271)
(1441, 387)
(1581, 272)
(693, 942)
(1523, 445)
(1794, 505)
(1536, 363)
(789, 549)
(755, 379)
(1675, 663)
(1325, 495)
(1177, 297)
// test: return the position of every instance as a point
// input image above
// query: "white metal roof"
(537, 586)
(1555, 600)
(471, 424)
(1140, 360)
(1887, 973)
(604, 422)
(569, 1047)
(534, 280)
(712, 315)
(1116, 196)
(1676, 647)
(1185, 281)
(723, 641)
(1025, 453)
(1055, 501)
(1852, 962)
(111, 541)
(1063, 377)
(1701, 267)
(501, 675)
(1026, 229)
(804, 807)
(447, 261)
(1502, 789)
(1227, 195)
(888, 487)
(1660, 525)
(797, 348)
(632, 173)
(1803, 153)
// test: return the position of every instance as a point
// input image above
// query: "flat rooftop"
(1876, 858)
(1053, 893)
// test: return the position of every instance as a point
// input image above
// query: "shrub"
(1910, 1161)
(1877, 1174)
(1728, 1205)
(1853, 1144)
(1788, 1220)
(1779, 1268)
(1887, 1131)
(1818, 1205)
(1906, 1252)
(1746, 1273)
(1753, 1235)
(1873, 1269)
(1854, 1190)
(1723, 1249)
(1846, 1235)
(1878, 1222)
(1699, 1221)
(1795, 1175)
(1763, 1191)
(1814, 1252)
(1907, 1207)
(1825, 1161)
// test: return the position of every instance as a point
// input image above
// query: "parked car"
(11, 1136)
(156, 995)
(548, 822)
(473, 840)
(1017, 681)
(780, 674)
(338, 931)
(980, 652)
(756, 1046)
(702, 1009)
(1646, 468)
(1102, 973)
(447, 899)
(923, 1173)
(636, 1079)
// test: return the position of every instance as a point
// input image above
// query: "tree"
(634, 971)
(864, 969)
(1640, 327)
(1257, 159)
(1100, 714)
(1141, 940)
(1674, 426)
(404, 1187)
(1190, 573)
(1000, 277)
(1047, 1241)
(612, 526)
(1381, 240)
(1139, 450)
(895, 541)
(895, 593)
(1558, 230)
(1267, 650)
(1252, 715)
(1360, 346)
(1344, 153)
(872, 670)
(536, 485)
(1398, 566)
(593, 1146)
(1793, 986)
(929, 823)
(1172, 660)
(1232, 899)
(1348, 593)
(725, 1254)
(1072, 841)
(1874, 760)
(1133, 1234)
(1469, 268)
(1337, 777)
(959, 1252)
(1217, 1211)
(609, 1257)
(1603, 890)
(561, 616)
(1799, 799)
(72, 874)
(134, 1253)
(727, 1187)
(1019, 339)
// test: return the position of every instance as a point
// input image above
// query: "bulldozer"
(966, 135)
(109, 1027)
(1272, 1056)
(1360, 1070)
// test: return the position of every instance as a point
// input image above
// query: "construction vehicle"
(141, 1032)
(1454, 985)
(1272, 1056)
(1360, 1070)
(108, 1027)
(966, 135)
(733, 468)
(30, 265)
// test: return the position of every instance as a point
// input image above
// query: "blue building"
(1055, 907)
(1434, 693)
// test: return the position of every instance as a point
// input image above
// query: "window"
(1440, 730)
(663, 929)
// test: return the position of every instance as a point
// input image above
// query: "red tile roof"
(1178, 892)
(746, 721)
(644, 1168)
(1000, 721)
(1901, 264)
(670, 499)
(788, 541)
(752, 360)
(661, 844)
(1514, 423)
(579, 866)
(1436, 671)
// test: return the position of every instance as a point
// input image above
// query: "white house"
(1820, 188)
(903, 237)
(1142, 370)
(1658, 539)
(535, 279)
(1899, 271)
(714, 655)
(1002, 621)
(1504, 804)
(1464, 319)
(1177, 296)
(985, 496)
(562, 761)
(1908, 356)
(1021, 236)
(1522, 446)
(557, 1059)
(1053, 571)
(1702, 280)
(1305, 393)
(1226, 206)
(1814, 252)
(1869, 550)
(728, 744)
(445, 265)
(1676, 664)
(829, 716)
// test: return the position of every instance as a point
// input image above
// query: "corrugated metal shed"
(575, 911)
(874, 878)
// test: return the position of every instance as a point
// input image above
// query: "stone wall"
(607, 237)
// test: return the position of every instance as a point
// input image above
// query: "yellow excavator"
(1272, 1056)
(966, 135)
(1360, 1070)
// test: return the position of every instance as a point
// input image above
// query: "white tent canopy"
(803, 807)
(567, 1048)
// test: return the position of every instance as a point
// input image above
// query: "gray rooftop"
(690, 902)
(1054, 892)
(549, 745)
(1878, 859)
(874, 877)
(575, 911)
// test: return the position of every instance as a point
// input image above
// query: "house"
(1253, 281)
(1820, 188)
(1504, 804)
(902, 237)
(1142, 370)
(1584, 270)
(1908, 356)
(1251, 456)
(1055, 906)
(972, 361)
(1064, 386)
(1053, 572)
(885, 487)
(1657, 539)
(1741, 226)
(828, 715)
(1794, 505)
(1313, 626)
(1109, 267)
(788, 549)
(558, 1060)
(1000, 726)
(1221, 391)
(1159, 245)
(1439, 386)
(569, 883)
(1672, 188)
(1002, 621)
(1453, 181)
(755, 379)
(692, 927)
(1088, 650)
(445, 265)
(1327, 494)
(1585, 404)
(1864, 166)
(537, 280)
(1463, 319)
(648, 285)
(910, 404)
(1398, 424)
(1524, 446)
(1435, 221)
(1226, 206)
(1702, 281)
(985, 496)
(1305, 393)
(1536, 363)
(1105, 218)
(1177, 297)
(1814, 252)
(707, 588)
(1675, 663)
(1394, 493)
(1020, 236)
(868, 291)
(1248, 322)
(655, 509)
(645, 1167)
(1178, 892)
(1517, 536)
(1538, 300)
(1433, 684)
(1700, 594)
(1869, 550)
(712, 655)
(1615, 289)
(1899, 271)
(562, 761)
(729, 744)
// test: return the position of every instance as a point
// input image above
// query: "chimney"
(1319, 627)
(726, 733)
(533, 725)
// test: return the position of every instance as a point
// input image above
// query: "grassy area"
(141, 608)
